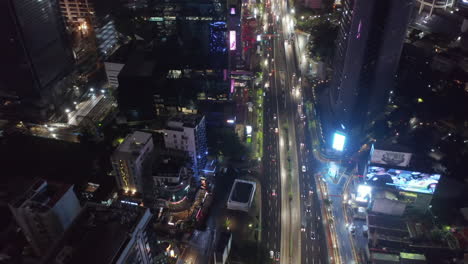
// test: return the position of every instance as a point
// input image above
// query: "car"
(274, 116)
(304, 168)
(308, 210)
(276, 130)
(303, 228)
(312, 235)
(273, 192)
(272, 254)
(277, 256)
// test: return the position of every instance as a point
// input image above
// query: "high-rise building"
(118, 234)
(44, 212)
(74, 10)
(368, 51)
(35, 55)
(431, 5)
(106, 36)
(188, 133)
(131, 160)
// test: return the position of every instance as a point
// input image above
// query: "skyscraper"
(44, 212)
(368, 52)
(35, 55)
(188, 133)
(131, 160)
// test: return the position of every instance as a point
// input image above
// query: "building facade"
(106, 36)
(131, 160)
(76, 10)
(44, 212)
(118, 234)
(368, 51)
(431, 5)
(188, 133)
(32, 63)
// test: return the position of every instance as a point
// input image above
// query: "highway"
(302, 237)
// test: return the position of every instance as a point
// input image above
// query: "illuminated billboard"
(392, 158)
(338, 141)
(248, 130)
(402, 180)
(364, 193)
(232, 40)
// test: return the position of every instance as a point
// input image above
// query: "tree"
(323, 37)
(227, 143)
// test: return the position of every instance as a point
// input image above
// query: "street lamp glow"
(266, 62)
(91, 89)
(103, 91)
(67, 110)
(293, 11)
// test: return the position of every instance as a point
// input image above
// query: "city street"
(302, 236)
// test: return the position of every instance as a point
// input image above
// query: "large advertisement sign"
(232, 40)
(338, 141)
(400, 159)
(402, 180)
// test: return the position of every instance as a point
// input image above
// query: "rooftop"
(167, 167)
(97, 235)
(122, 54)
(43, 194)
(138, 65)
(387, 222)
(184, 120)
(242, 191)
(134, 142)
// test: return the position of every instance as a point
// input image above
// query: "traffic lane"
(285, 210)
(315, 224)
(271, 140)
(295, 200)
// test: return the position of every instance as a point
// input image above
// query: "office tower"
(74, 10)
(135, 96)
(35, 56)
(431, 5)
(188, 133)
(117, 234)
(106, 36)
(131, 160)
(44, 212)
(368, 50)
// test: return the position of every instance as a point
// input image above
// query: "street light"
(67, 110)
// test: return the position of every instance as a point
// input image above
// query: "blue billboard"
(403, 180)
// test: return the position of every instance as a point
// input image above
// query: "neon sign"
(232, 40)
